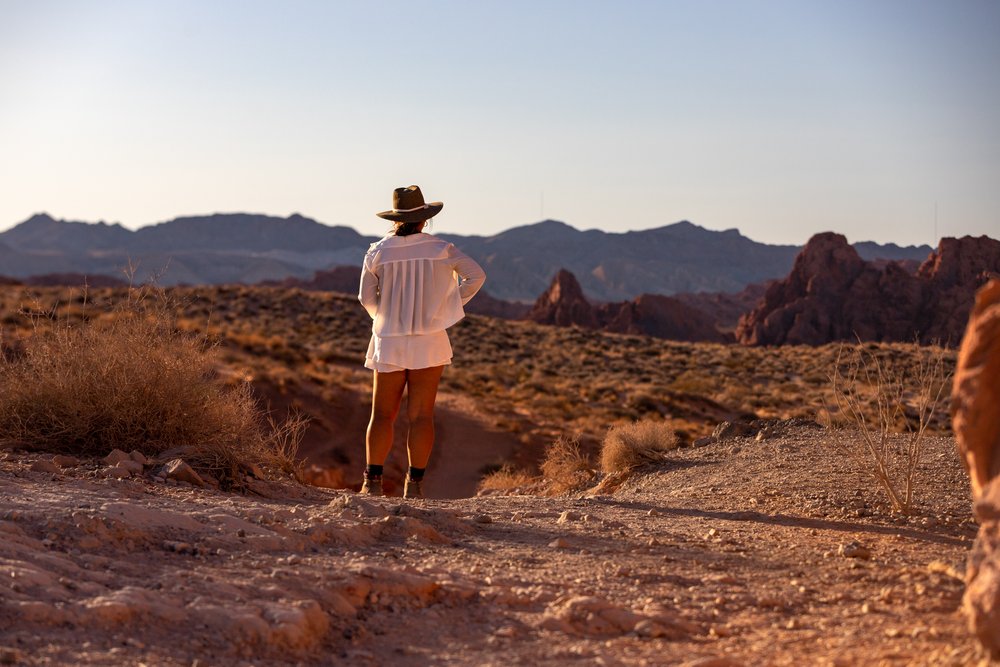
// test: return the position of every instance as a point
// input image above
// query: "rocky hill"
(248, 248)
(833, 294)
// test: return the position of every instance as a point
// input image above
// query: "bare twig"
(880, 399)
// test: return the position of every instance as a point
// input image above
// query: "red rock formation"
(832, 294)
(661, 317)
(343, 279)
(976, 421)
(725, 308)
(563, 304)
(485, 304)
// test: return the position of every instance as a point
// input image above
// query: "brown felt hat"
(408, 206)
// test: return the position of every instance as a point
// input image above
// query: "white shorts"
(399, 353)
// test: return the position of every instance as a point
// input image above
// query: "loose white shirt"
(417, 284)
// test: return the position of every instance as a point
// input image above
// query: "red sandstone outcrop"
(661, 317)
(726, 308)
(976, 421)
(564, 304)
(832, 294)
(486, 304)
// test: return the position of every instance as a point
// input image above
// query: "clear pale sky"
(779, 117)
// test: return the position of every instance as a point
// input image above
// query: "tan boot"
(413, 488)
(372, 486)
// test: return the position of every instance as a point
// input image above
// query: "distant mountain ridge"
(520, 262)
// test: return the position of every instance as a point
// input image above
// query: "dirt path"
(739, 553)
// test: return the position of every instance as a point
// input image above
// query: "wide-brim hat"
(408, 206)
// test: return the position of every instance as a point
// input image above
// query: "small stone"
(770, 602)
(64, 461)
(119, 472)
(482, 518)
(892, 633)
(854, 550)
(507, 631)
(42, 465)
(650, 628)
(115, 457)
(559, 543)
(720, 631)
(138, 457)
(567, 516)
(179, 547)
(134, 467)
(702, 442)
(178, 470)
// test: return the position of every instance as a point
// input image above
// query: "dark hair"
(407, 228)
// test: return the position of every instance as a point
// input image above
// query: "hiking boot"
(413, 488)
(372, 486)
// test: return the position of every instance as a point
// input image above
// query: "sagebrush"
(505, 478)
(566, 467)
(127, 378)
(627, 446)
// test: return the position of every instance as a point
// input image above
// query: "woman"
(414, 286)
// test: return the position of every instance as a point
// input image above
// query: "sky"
(879, 119)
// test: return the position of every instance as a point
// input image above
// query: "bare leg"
(387, 393)
(422, 392)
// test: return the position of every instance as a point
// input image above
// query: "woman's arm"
(368, 293)
(471, 275)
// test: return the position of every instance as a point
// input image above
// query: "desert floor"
(742, 552)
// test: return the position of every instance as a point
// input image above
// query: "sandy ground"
(744, 552)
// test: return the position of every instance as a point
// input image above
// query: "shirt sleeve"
(470, 275)
(369, 292)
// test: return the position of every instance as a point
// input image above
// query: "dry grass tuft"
(566, 467)
(629, 445)
(506, 478)
(130, 380)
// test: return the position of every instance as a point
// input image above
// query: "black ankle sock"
(416, 474)
(373, 471)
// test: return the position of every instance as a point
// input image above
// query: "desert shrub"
(506, 478)
(566, 467)
(629, 445)
(882, 397)
(129, 379)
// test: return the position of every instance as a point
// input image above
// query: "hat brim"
(432, 209)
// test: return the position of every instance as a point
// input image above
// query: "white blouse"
(417, 284)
